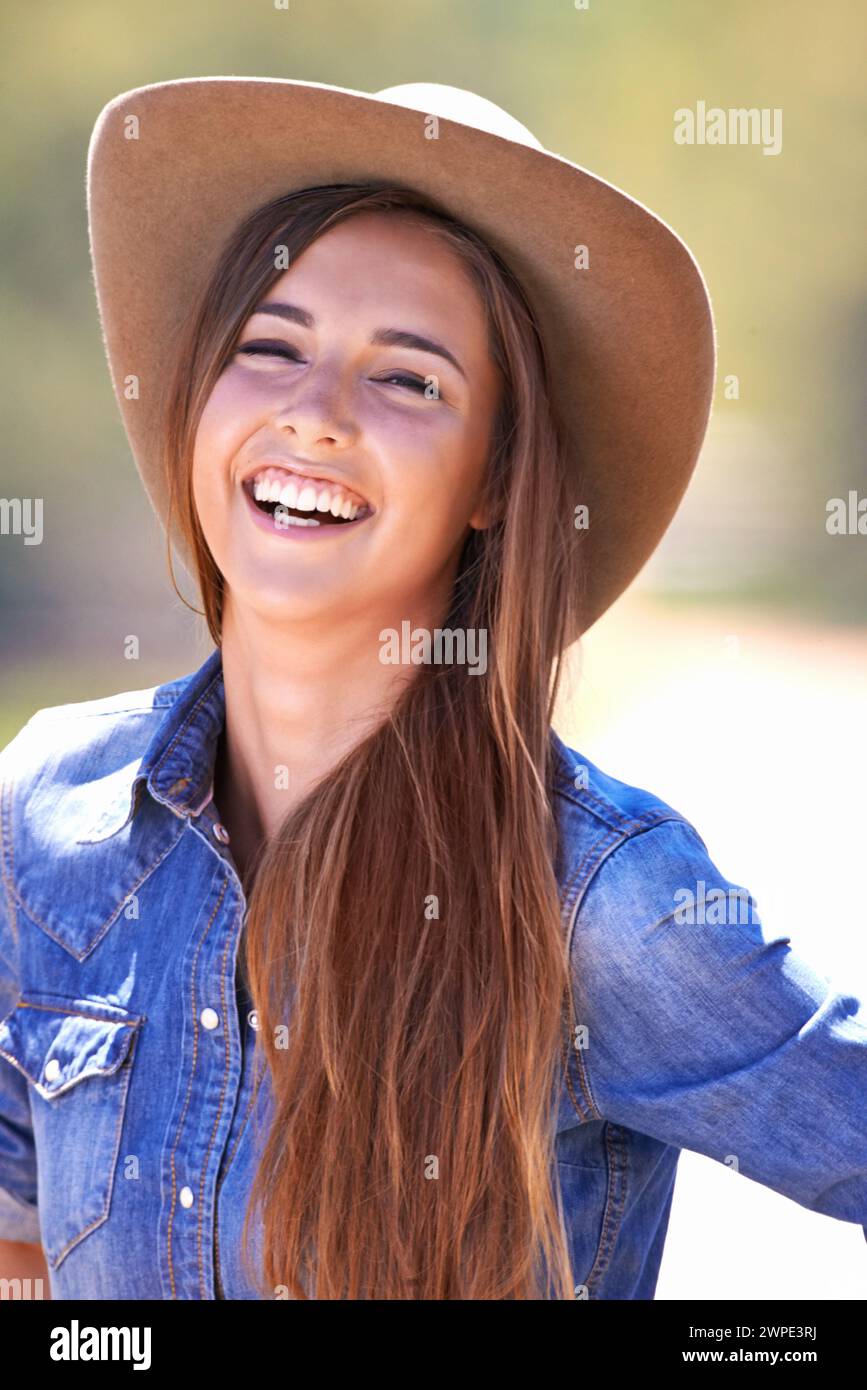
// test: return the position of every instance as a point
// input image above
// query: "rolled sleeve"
(19, 1216)
(706, 1032)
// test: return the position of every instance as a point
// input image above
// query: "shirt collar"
(177, 766)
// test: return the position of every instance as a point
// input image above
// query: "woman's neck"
(294, 707)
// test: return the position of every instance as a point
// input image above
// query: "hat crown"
(457, 104)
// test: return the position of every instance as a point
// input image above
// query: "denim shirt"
(128, 1121)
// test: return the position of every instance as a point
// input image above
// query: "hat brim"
(630, 340)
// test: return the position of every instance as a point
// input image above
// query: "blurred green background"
(779, 238)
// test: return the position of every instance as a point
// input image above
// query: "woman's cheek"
(226, 423)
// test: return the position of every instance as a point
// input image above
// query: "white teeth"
(307, 498)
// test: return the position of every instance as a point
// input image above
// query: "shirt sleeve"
(705, 1031)
(19, 1216)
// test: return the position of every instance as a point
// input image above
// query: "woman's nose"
(319, 406)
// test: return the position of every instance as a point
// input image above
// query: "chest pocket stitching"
(112, 916)
(22, 1049)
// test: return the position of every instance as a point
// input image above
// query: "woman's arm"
(708, 1033)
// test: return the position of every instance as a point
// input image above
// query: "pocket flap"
(58, 1042)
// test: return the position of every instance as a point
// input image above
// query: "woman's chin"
(286, 595)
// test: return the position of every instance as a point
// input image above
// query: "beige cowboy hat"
(173, 167)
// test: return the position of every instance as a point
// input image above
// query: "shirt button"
(186, 1196)
(209, 1018)
(221, 833)
(52, 1069)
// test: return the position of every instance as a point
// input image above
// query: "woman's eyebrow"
(385, 337)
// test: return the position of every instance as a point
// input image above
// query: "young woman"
(329, 970)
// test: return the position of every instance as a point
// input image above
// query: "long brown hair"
(404, 947)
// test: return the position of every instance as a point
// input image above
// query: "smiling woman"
(406, 364)
(328, 976)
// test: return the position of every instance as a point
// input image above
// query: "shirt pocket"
(77, 1055)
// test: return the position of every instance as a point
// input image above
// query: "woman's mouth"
(299, 507)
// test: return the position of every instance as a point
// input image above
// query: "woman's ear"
(486, 514)
(488, 509)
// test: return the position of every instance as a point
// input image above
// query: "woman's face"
(328, 391)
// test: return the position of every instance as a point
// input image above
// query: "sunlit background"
(732, 679)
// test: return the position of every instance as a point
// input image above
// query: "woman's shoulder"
(66, 764)
(594, 808)
(624, 853)
(646, 905)
(80, 739)
(69, 783)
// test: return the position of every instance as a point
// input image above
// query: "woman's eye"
(414, 382)
(275, 349)
(270, 350)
